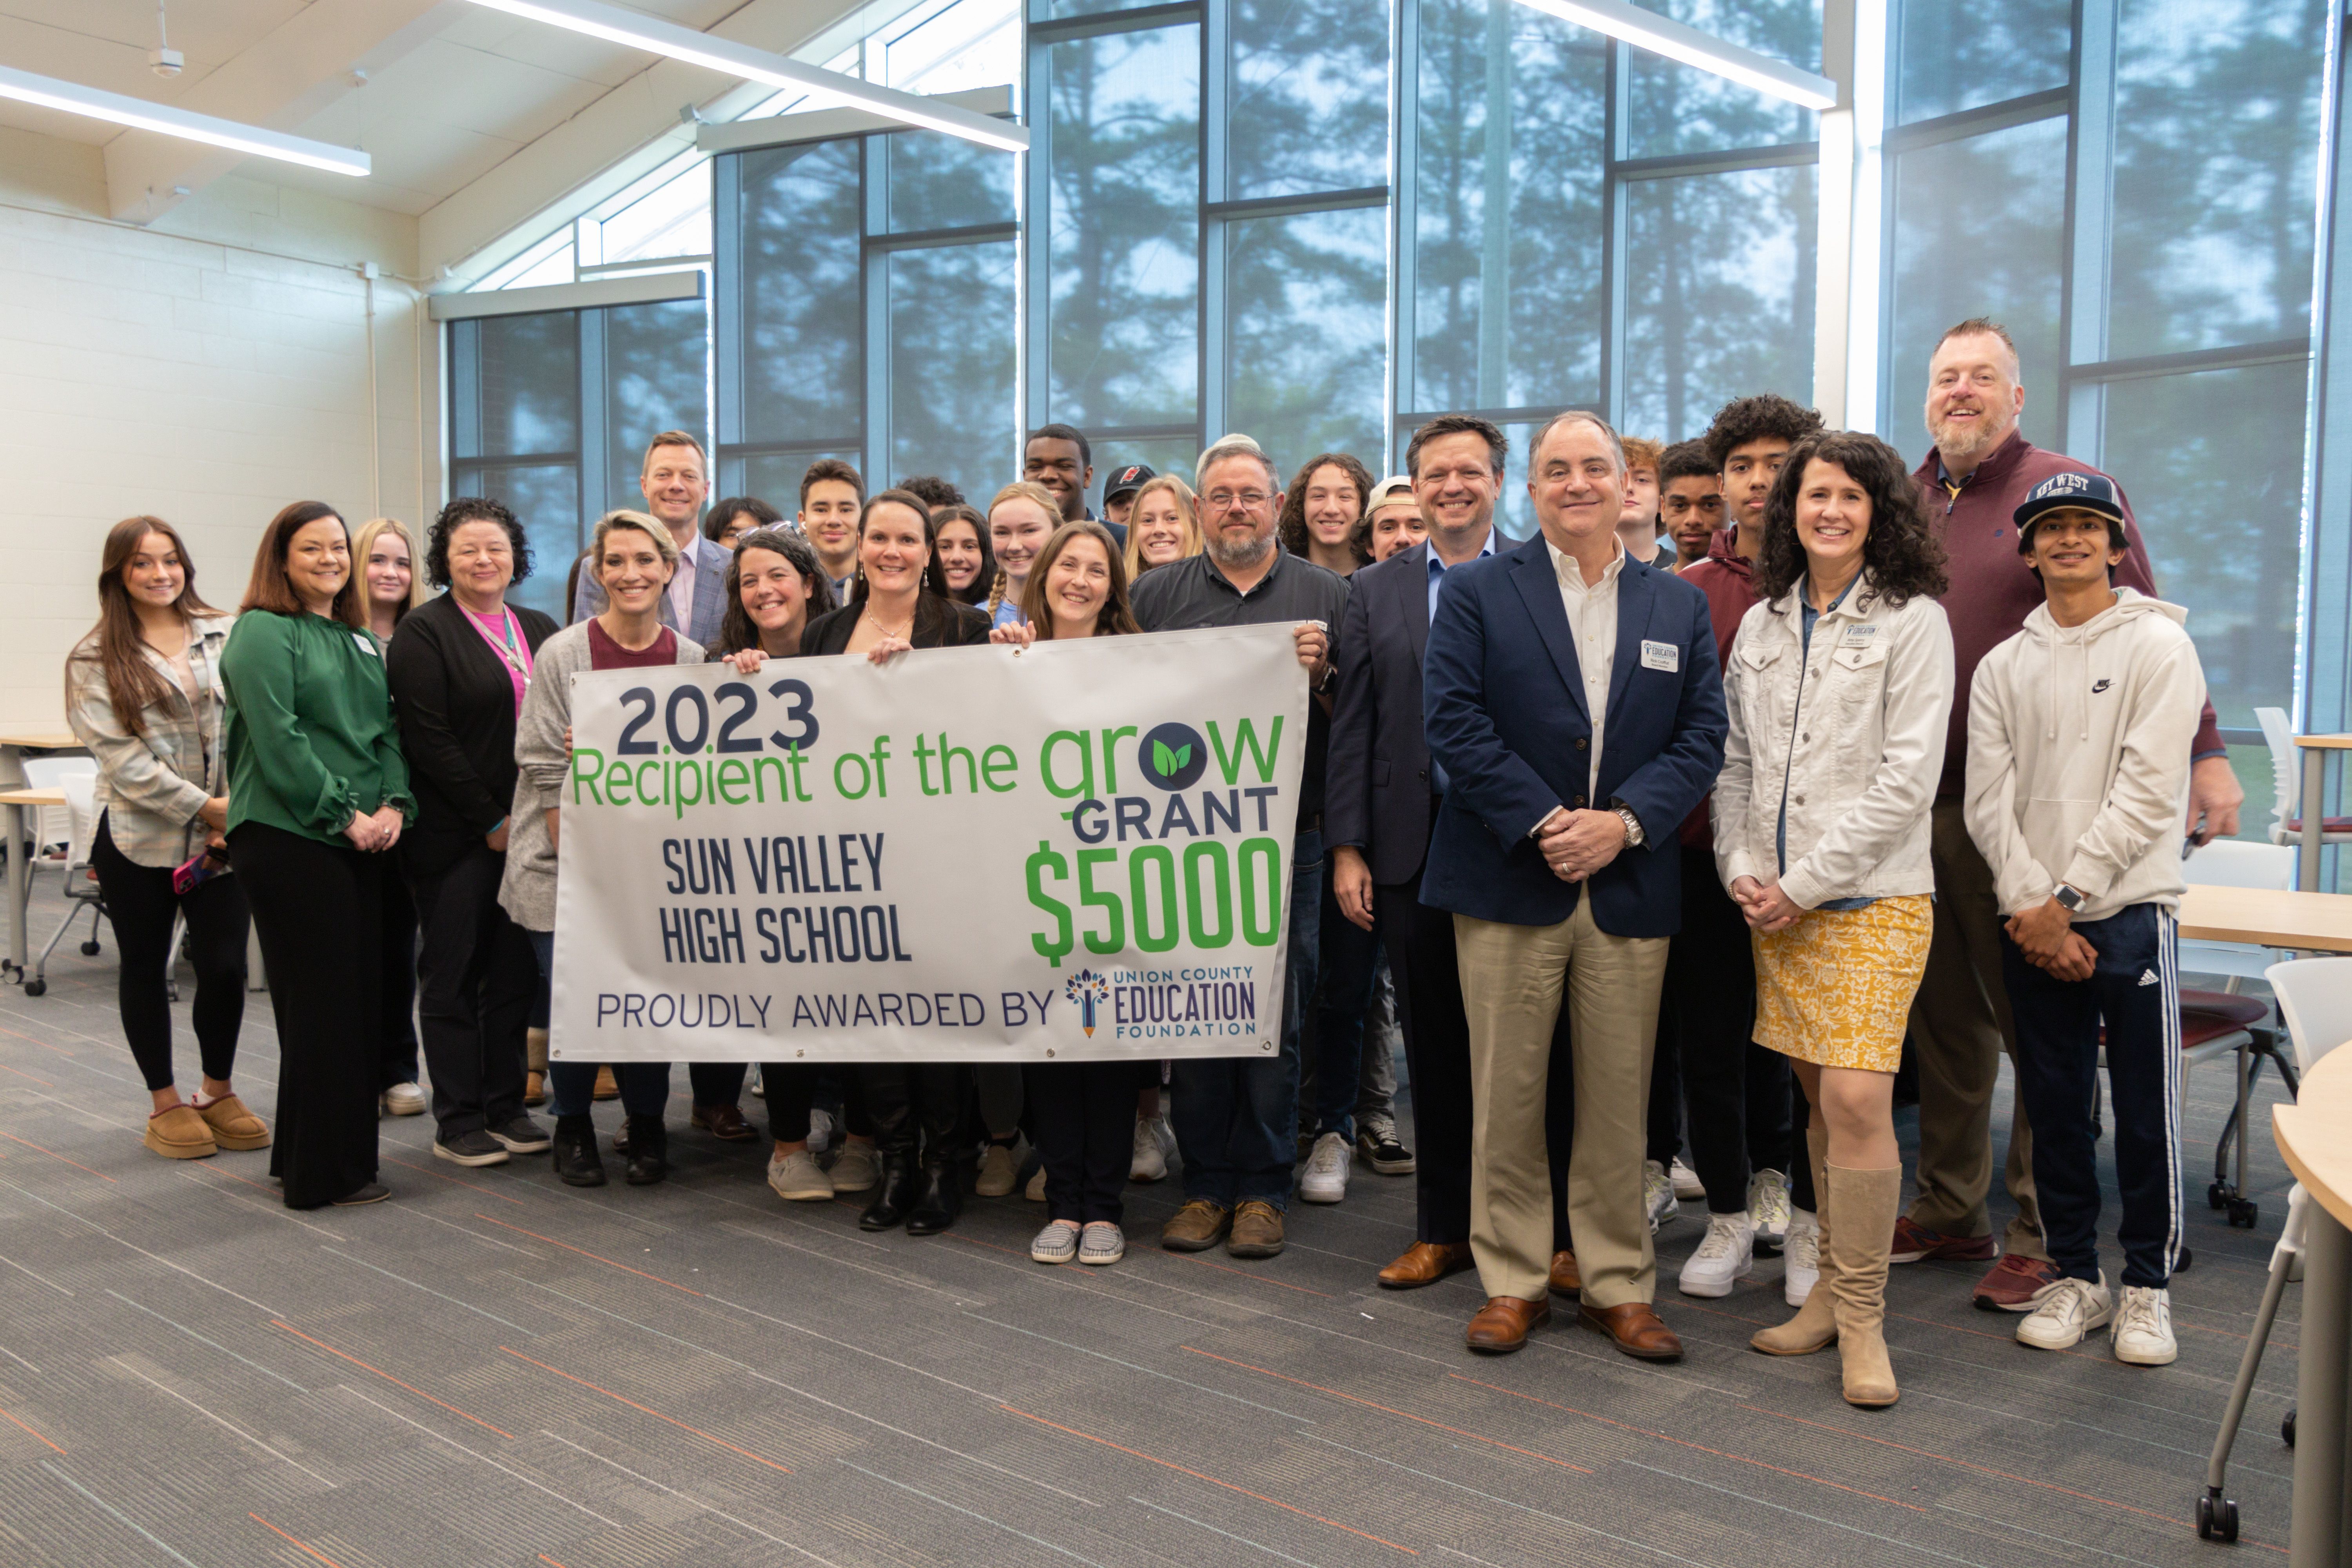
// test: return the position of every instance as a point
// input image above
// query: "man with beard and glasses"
(1980, 471)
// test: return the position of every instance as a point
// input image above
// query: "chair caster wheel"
(2217, 1196)
(2217, 1517)
(2243, 1212)
(2180, 1264)
(89, 950)
(2287, 1428)
(36, 987)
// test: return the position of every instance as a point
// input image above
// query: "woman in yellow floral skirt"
(1840, 688)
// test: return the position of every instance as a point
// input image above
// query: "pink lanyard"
(506, 648)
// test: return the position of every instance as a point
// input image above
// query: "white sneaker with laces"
(1057, 1243)
(1149, 1162)
(1687, 1186)
(1767, 1209)
(2071, 1309)
(2142, 1333)
(1658, 1195)
(1726, 1254)
(1802, 1253)
(798, 1178)
(1326, 1178)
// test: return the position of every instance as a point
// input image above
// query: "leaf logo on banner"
(1168, 760)
(1086, 989)
(1172, 756)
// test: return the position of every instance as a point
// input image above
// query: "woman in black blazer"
(458, 671)
(897, 603)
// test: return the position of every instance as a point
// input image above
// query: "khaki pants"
(1513, 980)
(1960, 1026)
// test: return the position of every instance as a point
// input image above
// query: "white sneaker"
(998, 1172)
(1036, 1191)
(820, 1131)
(1326, 1180)
(1687, 1186)
(2143, 1327)
(405, 1099)
(1727, 1252)
(798, 1178)
(1101, 1243)
(857, 1169)
(1658, 1195)
(1802, 1252)
(1153, 1139)
(1767, 1209)
(1057, 1243)
(2071, 1309)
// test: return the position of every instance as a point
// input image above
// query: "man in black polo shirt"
(1236, 1118)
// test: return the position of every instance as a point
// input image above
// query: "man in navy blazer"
(1572, 697)
(676, 480)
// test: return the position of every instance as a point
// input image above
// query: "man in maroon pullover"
(1981, 469)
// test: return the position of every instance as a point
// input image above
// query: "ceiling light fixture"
(1664, 36)
(97, 103)
(615, 25)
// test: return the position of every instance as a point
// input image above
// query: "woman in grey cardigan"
(634, 559)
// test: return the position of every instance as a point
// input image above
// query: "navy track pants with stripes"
(2135, 990)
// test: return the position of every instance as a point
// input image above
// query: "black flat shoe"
(648, 1150)
(373, 1193)
(939, 1200)
(893, 1194)
(575, 1153)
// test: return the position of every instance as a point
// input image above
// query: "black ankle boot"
(939, 1200)
(648, 1150)
(576, 1151)
(893, 1194)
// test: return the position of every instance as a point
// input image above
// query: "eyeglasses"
(1248, 501)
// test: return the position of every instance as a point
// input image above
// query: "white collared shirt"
(1592, 622)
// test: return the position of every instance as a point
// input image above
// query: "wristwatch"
(1633, 827)
(2068, 898)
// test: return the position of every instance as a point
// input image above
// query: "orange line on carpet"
(586, 1252)
(1391, 1410)
(53, 1155)
(1196, 1474)
(28, 1039)
(551, 1561)
(437, 1176)
(389, 1378)
(1188, 1257)
(649, 1410)
(21, 1073)
(190, 1169)
(1701, 1447)
(296, 1539)
(27, 1431)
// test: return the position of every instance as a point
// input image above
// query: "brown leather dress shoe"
(1567, 1279)
(724, 1122)
(1425, 1263)
(1501, 1326)
(1636, 1328)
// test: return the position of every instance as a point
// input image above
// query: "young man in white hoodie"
(2079, 730)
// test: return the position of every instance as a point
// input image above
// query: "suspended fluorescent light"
(1664, 36)
(141, 115)
(615, 25)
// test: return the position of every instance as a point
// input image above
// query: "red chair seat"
(2326, 825)
(2208, 1015)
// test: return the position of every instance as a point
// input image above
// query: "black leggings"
(141, 903)
(791, 1088)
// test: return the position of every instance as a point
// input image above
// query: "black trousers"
(925, 1100)
(719, 1083)
(792, 1089)
(1736, 1093)
(396, 1037)
(319, 911)
(140, 903)
(474, 975)
(1082, 1116)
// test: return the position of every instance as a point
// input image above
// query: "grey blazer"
(710, 561)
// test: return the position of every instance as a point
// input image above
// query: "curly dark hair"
(736, 631)
(723, 512)
(1746, 419)
(1291, 527)
(1901, 555)
(936, 491)
(472, 509)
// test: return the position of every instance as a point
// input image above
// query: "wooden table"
(15, 743)
(2314, 786)
(16, 803)
(2315, 1134)
(2260, 917)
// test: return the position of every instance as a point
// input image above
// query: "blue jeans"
(572, 1086)
(1350, 965)
(1236, 1118)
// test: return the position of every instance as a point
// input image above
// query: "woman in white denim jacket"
(143, 693)
(1839, 685)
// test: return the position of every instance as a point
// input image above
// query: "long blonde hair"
(370, 532)
(1019, 490)
(1186, 502)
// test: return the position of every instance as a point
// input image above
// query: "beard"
(1968, 442)
(1247, 551)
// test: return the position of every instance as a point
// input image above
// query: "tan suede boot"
(1866, 1203)
(1814, 1328)
(534, 1061)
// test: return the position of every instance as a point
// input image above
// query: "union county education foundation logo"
(1087, 988)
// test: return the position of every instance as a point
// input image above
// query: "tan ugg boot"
(1814, 1328)
(534, 1061)
(1866, 1203)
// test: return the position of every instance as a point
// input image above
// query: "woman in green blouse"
(318, 792)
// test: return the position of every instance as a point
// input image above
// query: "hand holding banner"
(982, 854)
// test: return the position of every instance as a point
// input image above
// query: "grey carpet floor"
(493, 1368)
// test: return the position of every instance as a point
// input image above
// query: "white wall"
(207, 376)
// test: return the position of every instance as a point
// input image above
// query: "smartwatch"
(2068, 898)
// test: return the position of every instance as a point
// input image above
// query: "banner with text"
(1077, 851)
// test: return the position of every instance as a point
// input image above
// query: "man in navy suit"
(676, 480)
(1571, 696)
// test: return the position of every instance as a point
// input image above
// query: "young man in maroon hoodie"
(1980, 469)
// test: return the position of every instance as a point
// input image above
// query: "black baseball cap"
(1131, 478)
(2094, 493)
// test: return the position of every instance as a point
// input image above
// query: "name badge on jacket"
(1663, 655)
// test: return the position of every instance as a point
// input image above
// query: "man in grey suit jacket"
(676, 480)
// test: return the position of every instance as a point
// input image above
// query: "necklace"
(905, 633)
